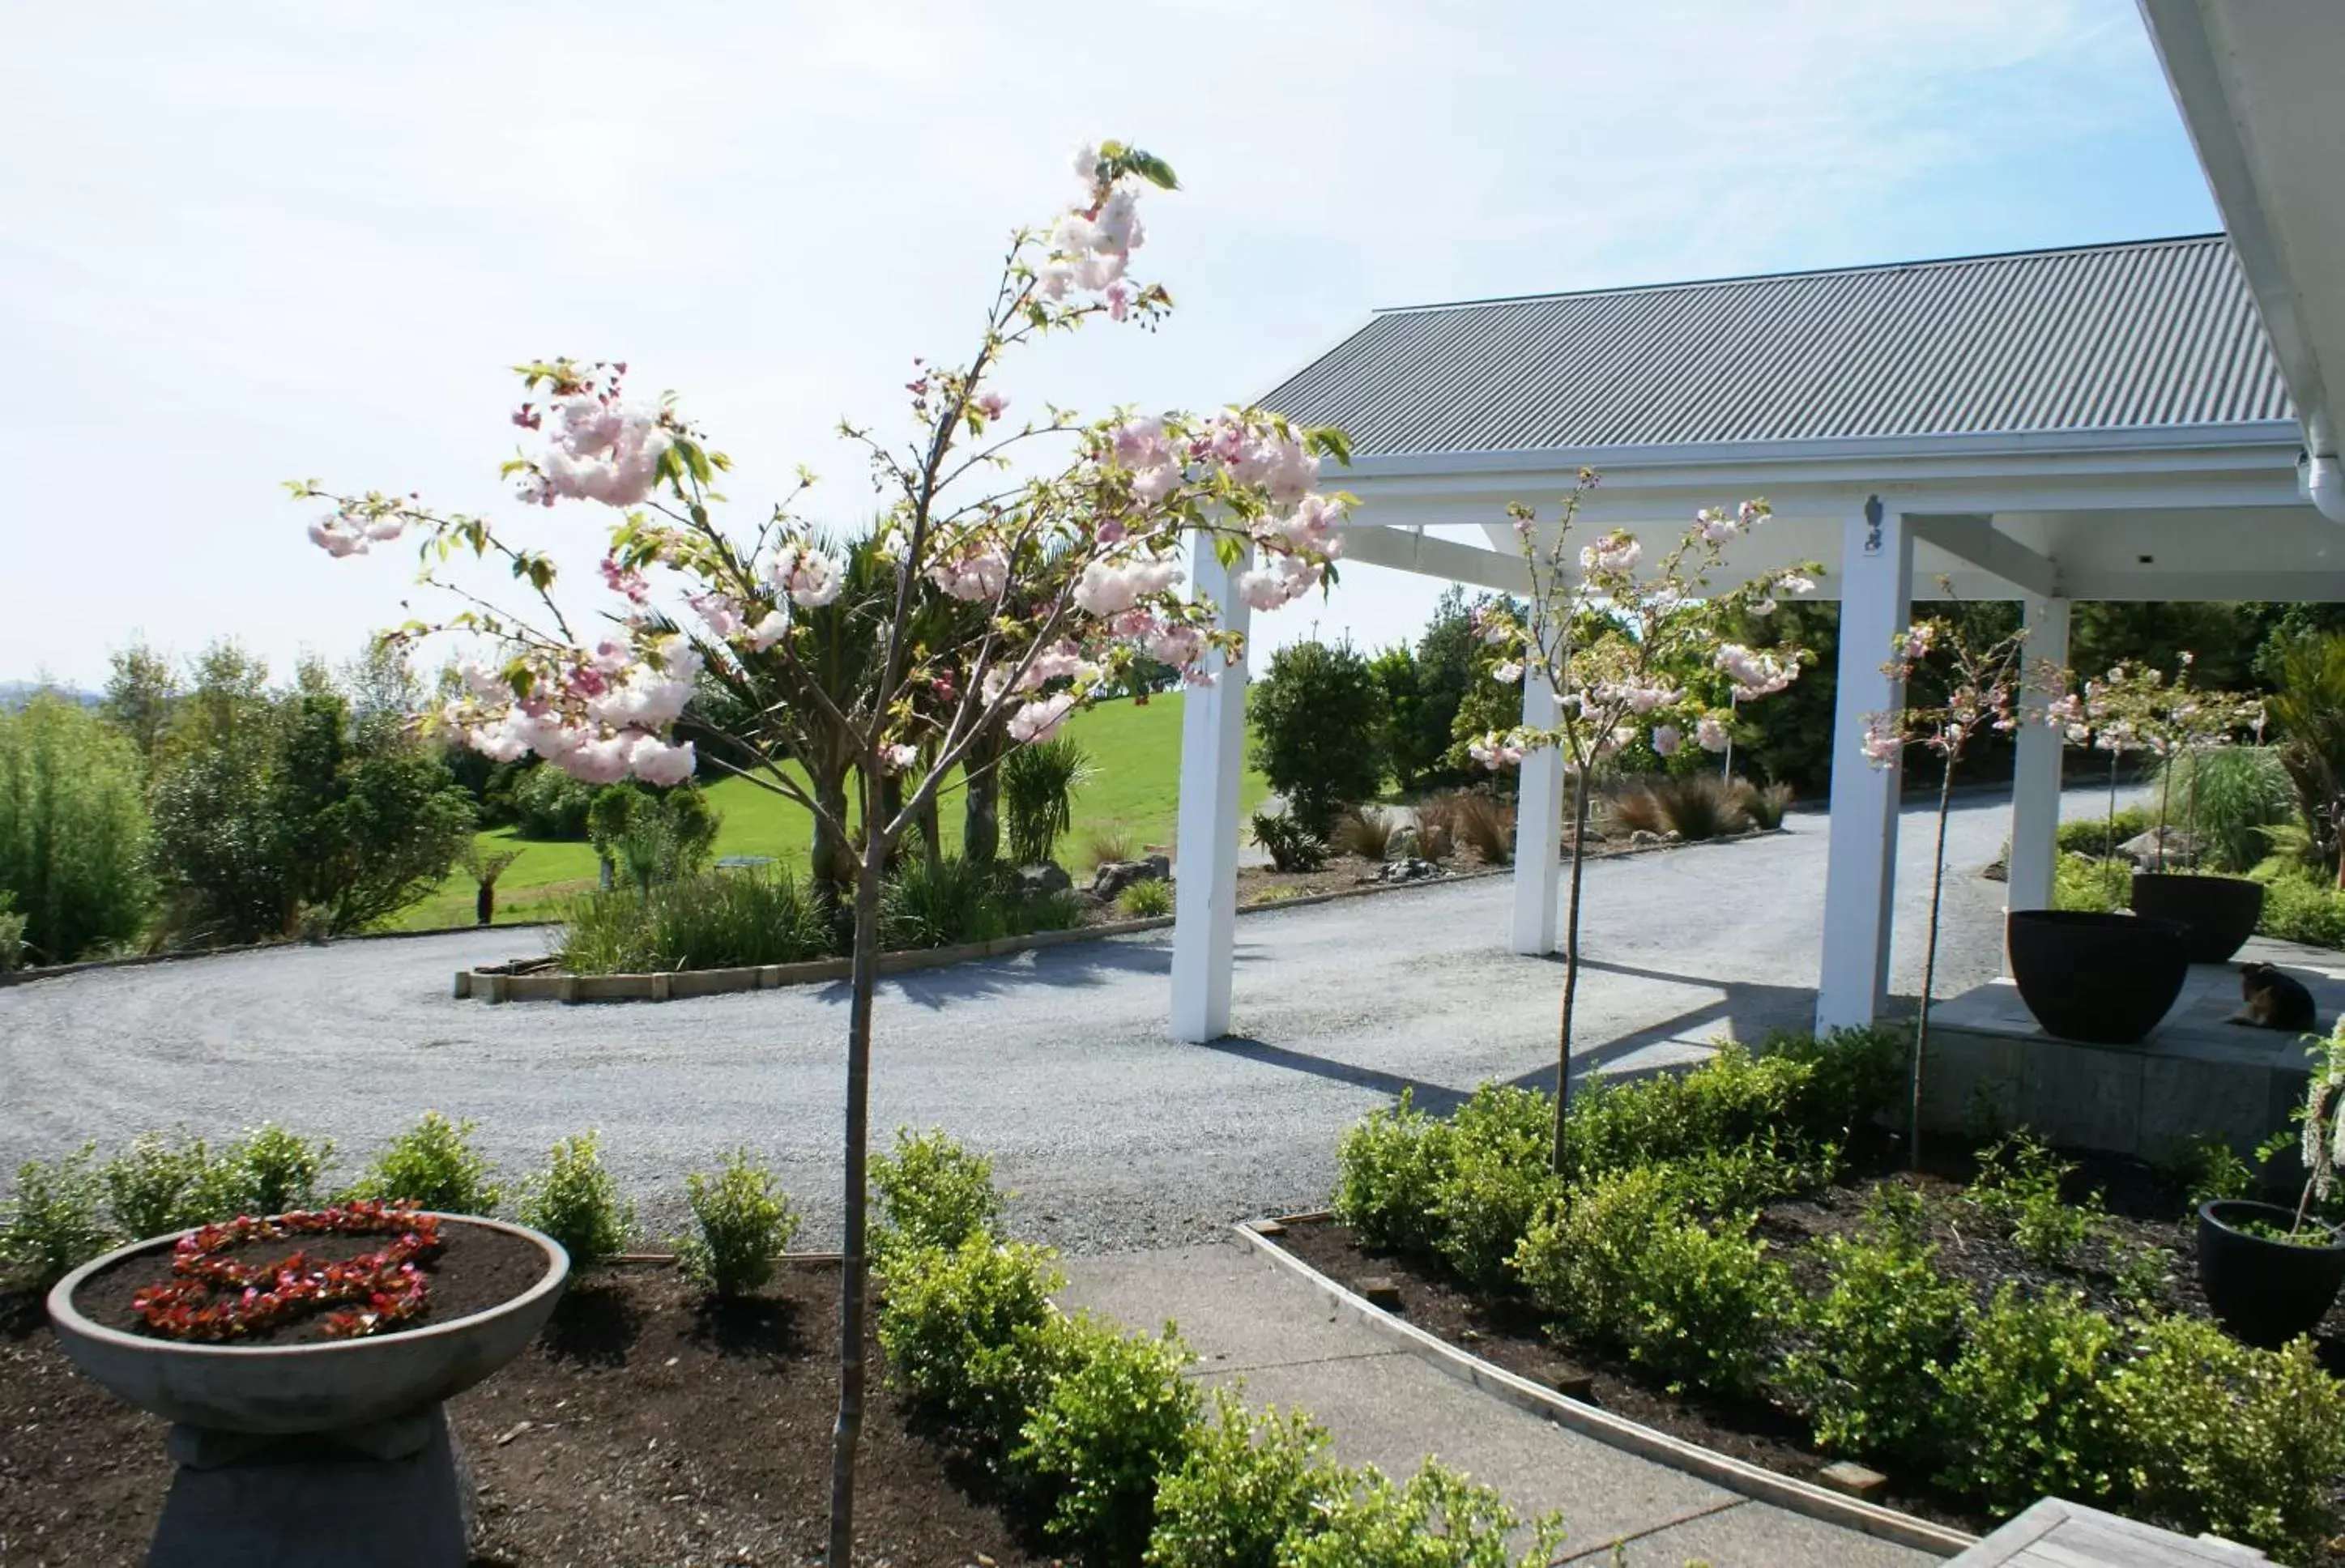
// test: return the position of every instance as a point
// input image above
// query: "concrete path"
(1254, 1325)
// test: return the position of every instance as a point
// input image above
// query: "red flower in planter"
(214, 1297)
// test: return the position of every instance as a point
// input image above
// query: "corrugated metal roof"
(2112, 336)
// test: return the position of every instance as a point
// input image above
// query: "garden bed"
(646, 1423)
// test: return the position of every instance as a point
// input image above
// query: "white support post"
(1205, 869)
(2036, 772)
(1538, 826)
(1860, 872)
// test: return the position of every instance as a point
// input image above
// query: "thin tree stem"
(1570, 970)
(1929, 969)
(853, 1270)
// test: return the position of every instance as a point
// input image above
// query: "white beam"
(1428, 555)
(1206, 873)
(1861, 869)
(1539, 827)
(2035, 773)
(1976, 539)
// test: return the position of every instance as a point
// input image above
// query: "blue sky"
(249, 242)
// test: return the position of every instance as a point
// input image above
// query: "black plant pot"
(2103, 979)
(2219, 912)
(2265, 1292)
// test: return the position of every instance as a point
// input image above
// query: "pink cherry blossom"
(599, 761)
(992, 405)
(1039, 720)
(896, 757)
(1506, 673)
(770, 628)
(1755, 673)
(1667, 738)
(1616, 552)
(811, 577)
(1710, 736)
(598, 448)
(656, 761)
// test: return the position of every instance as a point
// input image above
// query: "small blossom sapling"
(1611, 645)
(981, 613)
(1990, 688)
(2138, 708)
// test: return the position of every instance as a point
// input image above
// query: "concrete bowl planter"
(2218, 913)
(2105, 980)
(279, 1389)
(2266, 1292)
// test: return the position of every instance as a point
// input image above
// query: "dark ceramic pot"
(2106, 979)
(2266, 1292)
(2217, 912)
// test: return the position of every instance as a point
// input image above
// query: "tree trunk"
(932, 835)
(980, 821)
(484, 904)
(853, 1270)
(1579, 802)
(1929, 976)
(833, 861)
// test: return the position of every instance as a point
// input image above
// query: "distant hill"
(17, 693)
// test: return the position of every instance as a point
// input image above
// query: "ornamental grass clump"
(1146, 900)
(433, 1165)
(743, 1222)
(719, 920)
(575, 1200)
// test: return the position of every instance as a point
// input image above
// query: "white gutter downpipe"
(2322, 479)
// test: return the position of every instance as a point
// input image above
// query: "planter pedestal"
(388, 1496)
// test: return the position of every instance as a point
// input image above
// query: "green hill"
(1134, 792)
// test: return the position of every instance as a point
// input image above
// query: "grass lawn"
(1134, 791)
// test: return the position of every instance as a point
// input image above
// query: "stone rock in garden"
(1113, 876)
(1042, 881)
(1646, 838)
(1404, 844)
(1408, 870)
(2181, 850)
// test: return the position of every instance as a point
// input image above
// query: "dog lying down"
(2274, 1000)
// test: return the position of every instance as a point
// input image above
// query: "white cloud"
(242, 244)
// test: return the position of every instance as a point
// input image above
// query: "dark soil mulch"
(2143, 1212)
(476, 1267)
(647, 1424)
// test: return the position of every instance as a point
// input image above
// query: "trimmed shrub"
(151, 1185)
(53, 1226)
(1722, 1104)
(1145, 900)
(1880, 1338)
(574, 1201)
(1389, 1167)
(547, 802)
(2097, 837)
(1438, 1519)
(965, 1335)
(723, 920)
(1619, 1264)
(2022, 1406)
(2297, 908)
(932, 1193)
(2218, 1437)
(1118, 1415)
(2091, 886)
(1291, 845)
(1250, 1481)
(743, 1222)
(1495, 1181)
(2018, 1186)
(268, 1170)
(435, 1166)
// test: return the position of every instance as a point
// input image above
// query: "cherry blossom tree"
(2136, 707)
(1607, 641)
(1986, 685)
(1006, 602)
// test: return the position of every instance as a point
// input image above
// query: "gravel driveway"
(1057, 1062)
